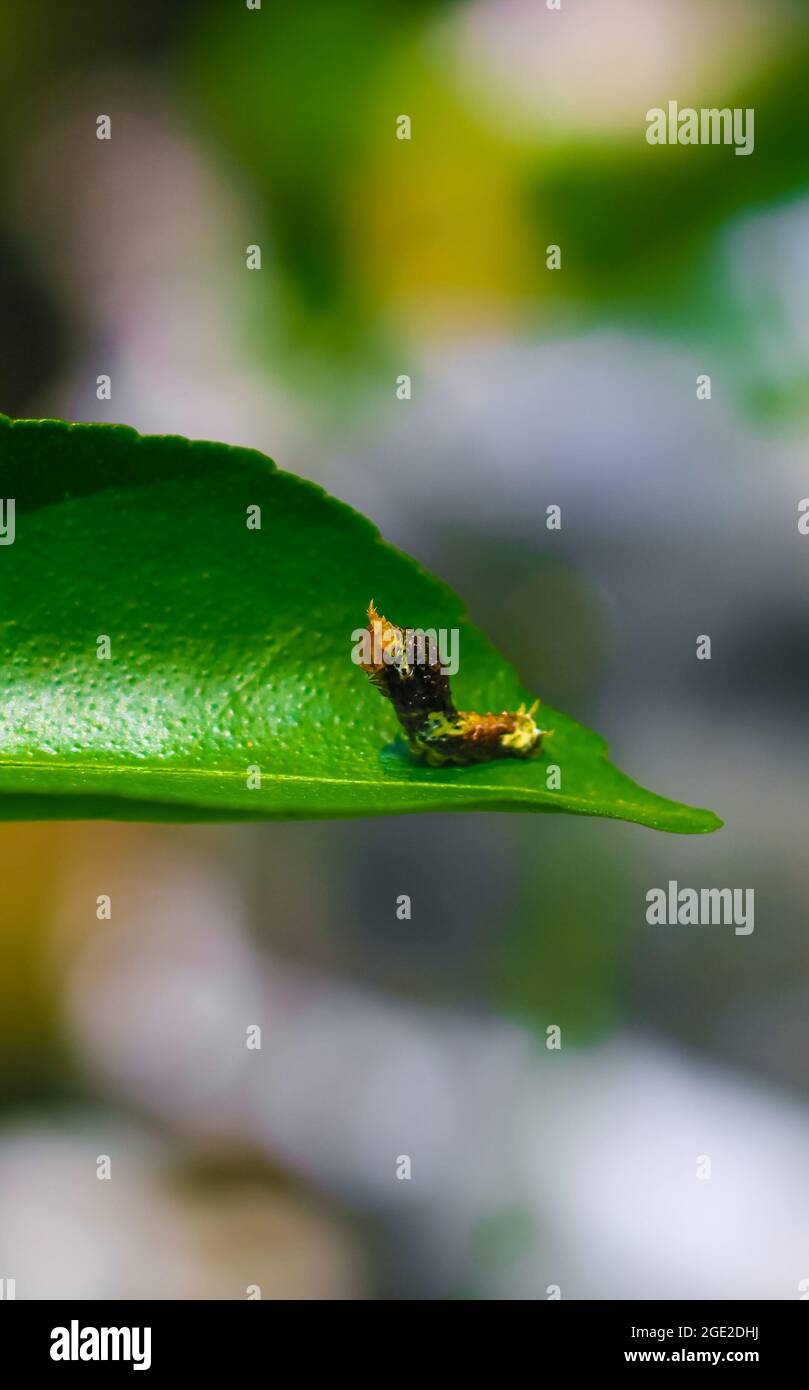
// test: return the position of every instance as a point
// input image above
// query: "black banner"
(158, 1339)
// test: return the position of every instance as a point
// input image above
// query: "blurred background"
(534, 1171)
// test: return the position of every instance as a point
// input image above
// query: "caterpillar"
(419, 690)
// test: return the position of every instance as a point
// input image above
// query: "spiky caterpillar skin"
(437, 732)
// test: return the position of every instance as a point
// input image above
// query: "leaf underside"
(231, 650)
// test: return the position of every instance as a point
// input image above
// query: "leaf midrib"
(511, 792)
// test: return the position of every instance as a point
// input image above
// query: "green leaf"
(231, 648)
